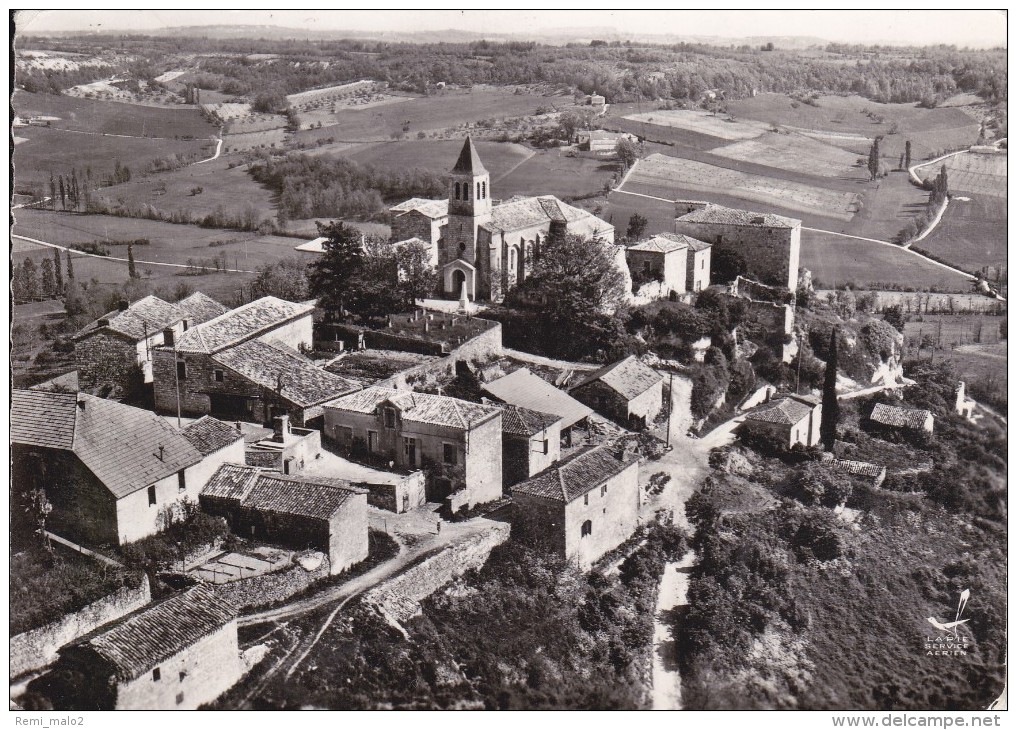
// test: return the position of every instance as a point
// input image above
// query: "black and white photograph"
(509, 360)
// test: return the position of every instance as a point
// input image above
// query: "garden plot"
(703, 123)
(792, 152)
(671, 178)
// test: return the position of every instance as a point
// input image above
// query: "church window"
(478, 191)
(483, 190)
(466, 191)
(457, 191)
(512, 258)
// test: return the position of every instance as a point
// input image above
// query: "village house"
(628, 391)
(791, 419)
(289, 449)
(897, 418)
(524, 389)
(669, 265)
(113, 473)
(217, 442)
(483, 247)
(305, 512)
(601, 142)
(530, 442)
(109, 350)
(458, 443)
(178, 653)
(246, 365)
(580, 508)
(768, 243)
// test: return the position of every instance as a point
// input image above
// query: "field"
(978, 174)
(673, 178)
(110, 117)
(720, 126)
(972, 233)
(438, 155)
(793, 152)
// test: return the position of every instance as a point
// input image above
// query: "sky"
(979, 28)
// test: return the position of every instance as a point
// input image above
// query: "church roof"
(519, 213)
(469, 161)
(424, 206)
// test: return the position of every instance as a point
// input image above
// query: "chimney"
(168, 337)
(239, 428)
(122, 305)
(103, 322)
(280, 428)
(162, 453)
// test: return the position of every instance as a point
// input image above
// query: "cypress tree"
(63, 194)
(831, 409)
(132, 272)
(907, 154)
(58, 272)
(70, 268)
(874, 159)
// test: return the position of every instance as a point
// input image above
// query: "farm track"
(118, 258)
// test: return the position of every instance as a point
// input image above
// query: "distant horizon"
(961, 28)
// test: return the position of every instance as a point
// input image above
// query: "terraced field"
(794, 152)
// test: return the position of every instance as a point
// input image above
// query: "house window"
(182, 370)
(586, 499)
(156, 674)
(390, 418)
(151, 503)
(180, 698)
(547, 446)
(702, 263)
(450, 454)
(181, 481)
(183, 676)
(372, 441)
(219, 376)
(603, 490)
(587, 529)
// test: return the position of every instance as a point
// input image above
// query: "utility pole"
(176, 379)
(670, 406)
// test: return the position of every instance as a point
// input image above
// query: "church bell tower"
(469, 204)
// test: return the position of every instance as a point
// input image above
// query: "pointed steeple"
(469, 161)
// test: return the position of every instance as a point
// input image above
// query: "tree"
(132, 271)
(896, 316)
(52, 190)
(907, 154)
(48, 282)
(568, 124)
(286, 279)
(58, 271)
(63, 194)
(628, 151)
(70, 267)
(831, 408)
(417, 277)
(874, 159)
(26, 283)
(727, 265)
(637, 225)
(330, 276)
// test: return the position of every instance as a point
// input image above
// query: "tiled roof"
(520, 213)
(662, 243)
(912, 418)
(425, 206)
(119, 444)
(150, 315)
(414, 239)
(270, 363)
(40, 418)
(199, 308)
(719, 214)
(140, 641)
(859, 468)
(231, 481)
(209, 435)
(786, 410)
(572, 478)
(523, 388)
(469, 161)
(696, 245)
(307, 497)
(629, 377)
(240, 324)
(439, 410)
(525, 422)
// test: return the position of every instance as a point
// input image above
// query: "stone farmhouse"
(897, 418)
(112, 472)
(530, 442)
(217, 442)
(179, 653)
(458, 443)
(671, 264)
(108, 350)
(297, 512)
(601, 142)
(482, 246)
(246, 365)
(628, 391)
(524, 389)
(793, 419)
(580, 508)
(770, 244)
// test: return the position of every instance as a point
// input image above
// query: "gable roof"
(209, 435)
(314, 497)
(573, 477)
(786, 410)
(629, 377)
(242, 323)
(525, 422)
(469, 161)
(147, 315)
(142, 640)
(523, 388)
(662, 243)
(119, 444)
(713, 213)
(199, 308)
(425, 206)
(41, 418)
(518, 213)
(899, 417)
(438, 410)
(316, 245)
(231, 481)
(269, 363)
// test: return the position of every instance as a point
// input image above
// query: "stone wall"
(408, 493)
(928, 303)
(348, 542)
(269, 588)
(37, 648)
(613, 512)
(483, 463)
(104, 359)
(400, 596)
(771, 253)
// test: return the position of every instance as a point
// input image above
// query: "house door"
(410, 450)
(406, 502)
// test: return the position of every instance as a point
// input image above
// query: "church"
(487, 246)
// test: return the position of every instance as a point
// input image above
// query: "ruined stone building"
(109, 350)
(179, 653)
(581, 507)
(485, 245)
(111, 472)
(770, 244)
(456, 442)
